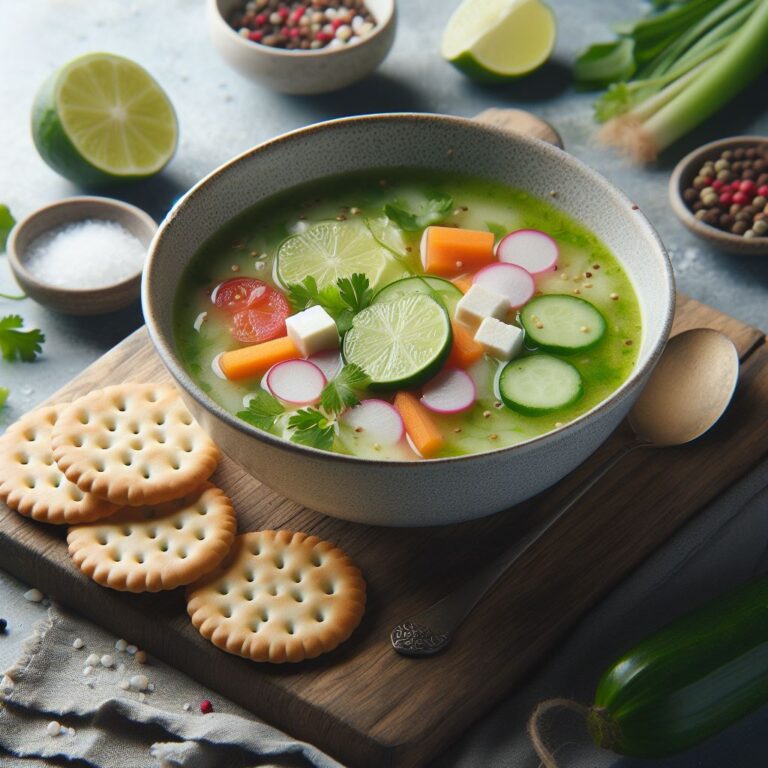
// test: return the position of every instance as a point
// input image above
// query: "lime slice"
(443, 290)
(102, 119)
(329, 250)
(497, 40)
(399, 344)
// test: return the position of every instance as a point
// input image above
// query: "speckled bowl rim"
(213, 8)
(719, 238)
(165, 348)
(108, 203)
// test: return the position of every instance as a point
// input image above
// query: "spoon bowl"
(689, 389)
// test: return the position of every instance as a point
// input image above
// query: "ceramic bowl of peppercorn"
(720, 192)
(303, 46)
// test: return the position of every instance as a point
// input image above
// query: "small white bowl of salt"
(82, 255)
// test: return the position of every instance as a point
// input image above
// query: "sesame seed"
(341, 217)
(587, 285)
(235, 267)
(457, 430)
(552, 193)
(493, 436)
(564, 276)
(614, 297)
(558, 424)
(355, 211)
(587, 274)
(457, 211)
(449, 153)
(376, 447)
(539, 324)
(584, 329)
(498, 405)
(486, 414)
(358, 429)
(628, 342)
(576, 291)
(595, 266)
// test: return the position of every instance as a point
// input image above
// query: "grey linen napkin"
(126, 728)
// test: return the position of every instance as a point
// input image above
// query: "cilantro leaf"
(312, 427)
(355, 291)
(262, 411)
(431, 211)
(4, 392)
(18, 344)
(6, 225)
(497, 229)
(342, 391)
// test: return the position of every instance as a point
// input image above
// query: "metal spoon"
(687, 393)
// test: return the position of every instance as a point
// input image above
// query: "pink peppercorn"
(740, 198)
(718, 184)
(283, 12)
(261, 20)
(323, 37)
(726, 198)
(297, 14)
(748, 187)
(336, 23)
(735, 185)
(763, 190)
(256, 36)
(708, 181)
(294, 32)
(206, 707)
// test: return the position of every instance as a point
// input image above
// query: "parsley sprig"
(6, 225)
(316, 427)
(16, 344)
(431, 211)
(341, 300)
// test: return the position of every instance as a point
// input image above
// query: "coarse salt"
(85, 254)
(78, 643)
(121, 645)
(53, 728)
(92, 660)
(107, 660)
(34, 595)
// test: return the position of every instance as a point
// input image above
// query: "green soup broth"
(248, 245)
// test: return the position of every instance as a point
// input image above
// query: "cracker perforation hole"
(152, 396)
(117, 556)
(255, 549)
(178, 524)
(30, 481)
(163, 546)
(200, 534)
(99, 466)
(296, 576)
(77, 441)
(279, 561)
(126, 530)
(160, 420)
(145, 473)
(140, 559)
(102, 538)
(84, 418)
(316, 560)
(297, 596)
(161, 439)
(186, 420)
(226, 611)
(329, 588)
(75, 493)
(272, 590)
(319, 616)
(30, 435)
(22, 458)
(224, 589)
(249, 576)
(152, 533)
(289, 627)
(120, 404)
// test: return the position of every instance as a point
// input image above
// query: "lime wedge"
(401, 343)
(102, 119)
(496, 40)
(329, 250)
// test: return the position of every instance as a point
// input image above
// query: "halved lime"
(329, 250)
(102, 119)
(401, 343)
(443, 290)
(496, 40)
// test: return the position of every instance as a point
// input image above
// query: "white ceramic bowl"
(303, 72)
(438, 491)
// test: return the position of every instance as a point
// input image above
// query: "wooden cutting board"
(363, 703)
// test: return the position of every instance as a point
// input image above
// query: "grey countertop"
(221, 115)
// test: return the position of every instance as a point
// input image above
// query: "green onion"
(687, 62)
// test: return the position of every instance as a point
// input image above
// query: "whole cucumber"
(689, 681)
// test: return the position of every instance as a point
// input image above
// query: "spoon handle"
(430, 631)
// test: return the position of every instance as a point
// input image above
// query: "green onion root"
(546, 756)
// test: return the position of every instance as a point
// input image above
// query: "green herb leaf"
(615, 101)
(432, 211)
(355, 291)
(307, 294)
(342, 391)
(312, 427)
(605, 63)
(17, 344)
(497, 229)
(6, 225)
(262, 411)
(4, 392)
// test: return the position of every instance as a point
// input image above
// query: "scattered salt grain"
(92, 660)
(78, 643)
(151, 687)
(53, 728)
(34, 596)
(71, 731)
(107, 661)
(139, 682)
(121, 645)
(85, 254)
(87, 671)
(141, 657)
(187, 707)
(131, 649)
(6, 684)
(142, 697)
(124, 684)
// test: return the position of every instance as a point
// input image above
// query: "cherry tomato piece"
(239, 293)
(263, 320)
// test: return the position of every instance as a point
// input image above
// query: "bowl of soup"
(408, 319)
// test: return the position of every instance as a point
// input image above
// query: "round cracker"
(279, 596)
(30, 481)
(133, 444)
(148, 549)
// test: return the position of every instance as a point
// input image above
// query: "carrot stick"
(465, 350)
(451, 251)
(257, 359)
(419, 425)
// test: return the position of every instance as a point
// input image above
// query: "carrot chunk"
(465, 350)
(451, 251)
(257, 359)
(419, 425)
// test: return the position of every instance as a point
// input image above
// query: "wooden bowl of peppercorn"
(303, 46)
(720, 192)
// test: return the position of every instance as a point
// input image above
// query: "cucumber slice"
(401, 343)
(443, 291)
(563, 324)
(539, 384)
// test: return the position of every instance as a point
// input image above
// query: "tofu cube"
(479, 303)
(499, 340)
(312, 330)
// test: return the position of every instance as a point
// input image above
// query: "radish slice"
(511, 281)
(531, 249)
(377, 421)
(328, 361)
(451, 391)
(296, 381)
